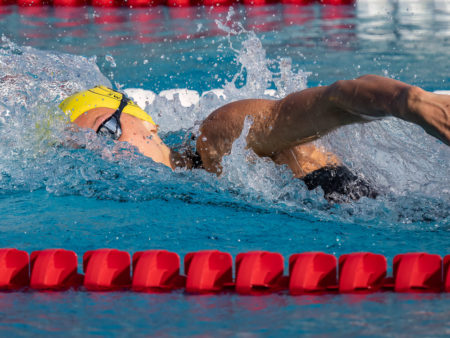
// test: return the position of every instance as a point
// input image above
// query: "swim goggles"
(112, 127)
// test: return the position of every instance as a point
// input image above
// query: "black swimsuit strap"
(339, 184)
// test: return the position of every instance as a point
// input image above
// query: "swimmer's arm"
(276, 126)
(314, 112)
(371, 97)
(307, 115)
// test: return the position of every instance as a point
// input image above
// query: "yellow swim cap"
(97, 97)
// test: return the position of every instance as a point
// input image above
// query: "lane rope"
(170, 3)
(211, 271)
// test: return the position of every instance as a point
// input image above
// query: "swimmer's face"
(93, 119)
(141, 134)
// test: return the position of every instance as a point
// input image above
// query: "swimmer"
(282, 130)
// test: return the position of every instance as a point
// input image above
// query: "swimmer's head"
(100, 97)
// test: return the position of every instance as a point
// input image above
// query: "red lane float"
(106, 269)
(107, 3)
(312, 272)
(297, 2)
(14, 269)
(7, 2)
(447, 273)
(180, 3)
(170, 3)
(210, 271)
(32, 3)
(142, 3)
(54, 269)
(259, 271)
(258, 2)
(337, 2)
(362, 271)
(417, 272)
(217, 3)
(69, 3)
(156, 270)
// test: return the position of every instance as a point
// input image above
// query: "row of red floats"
(171, 3)
(210, 271)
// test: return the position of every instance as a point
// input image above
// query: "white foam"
(218, 93)
(270, 92)
(443, 92)
(140, 96)
(187, 97)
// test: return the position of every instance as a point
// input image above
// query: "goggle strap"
(122, 105)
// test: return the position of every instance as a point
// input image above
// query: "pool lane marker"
(211, 271)
(170, 3)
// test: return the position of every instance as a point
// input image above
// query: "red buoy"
(217, 3)
(211, 271)
(208, 271)
(312, 272)
(361, 271)
(69, 3)
(337, 2)
(180, 3)
(297, 2)
(53, 269)
(417, 272)
(142, 3)
(6, 3)
(258, 2)
(156, 270)
(106, 269)
(106, 3)
(259, 271)
(14, 269)
(447, 273)
(32, 3)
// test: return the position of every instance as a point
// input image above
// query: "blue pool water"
(100, 194)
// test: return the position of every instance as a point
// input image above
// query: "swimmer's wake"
(430, 172)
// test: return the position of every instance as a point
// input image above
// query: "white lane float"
(188, 98)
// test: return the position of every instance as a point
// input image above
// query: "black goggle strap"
(122, 105)
(116, 116)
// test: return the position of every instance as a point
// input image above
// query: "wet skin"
(283, 129)
(141, 134)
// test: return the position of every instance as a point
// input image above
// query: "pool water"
(71, 189)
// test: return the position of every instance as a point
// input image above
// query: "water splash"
(255, 75)
(40, 152)
(260, 179)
